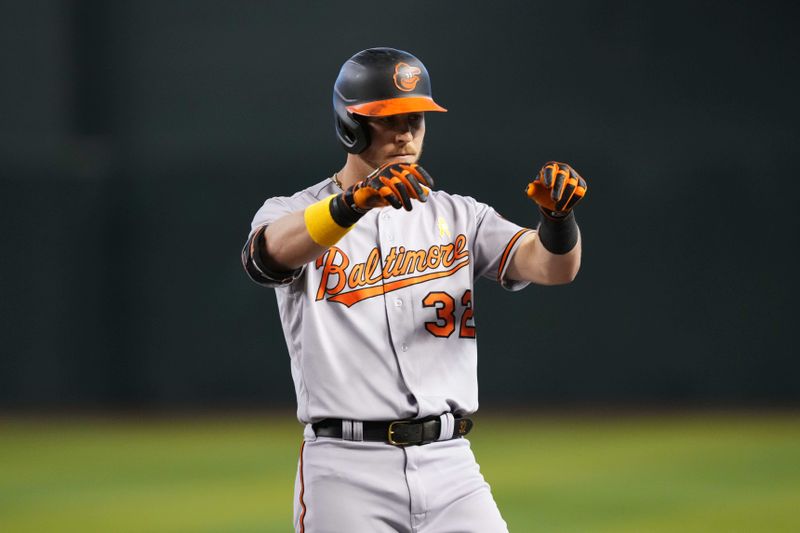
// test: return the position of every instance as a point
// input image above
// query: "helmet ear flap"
(352, 132)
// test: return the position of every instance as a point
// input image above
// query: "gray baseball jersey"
(381, 326)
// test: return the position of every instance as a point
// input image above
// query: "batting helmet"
(375, 83)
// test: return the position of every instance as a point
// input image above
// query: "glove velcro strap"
(343, 209)
(558, 233)
(321, 226)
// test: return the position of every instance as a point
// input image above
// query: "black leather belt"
(397, 432)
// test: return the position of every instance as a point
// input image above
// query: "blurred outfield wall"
(137, 139)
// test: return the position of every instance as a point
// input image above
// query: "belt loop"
(358, 430)
(347, 429)
(447, 426)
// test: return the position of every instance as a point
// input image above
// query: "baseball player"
(374, 270)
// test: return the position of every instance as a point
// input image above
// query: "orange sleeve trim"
(507, 251)
(302, 491)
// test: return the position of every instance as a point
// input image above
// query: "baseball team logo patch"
(406, 77)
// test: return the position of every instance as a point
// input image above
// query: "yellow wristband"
(321, 226)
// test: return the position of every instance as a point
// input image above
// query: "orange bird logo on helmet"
(406, 76)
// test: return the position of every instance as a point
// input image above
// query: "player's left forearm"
(535, 263)
(552, 255)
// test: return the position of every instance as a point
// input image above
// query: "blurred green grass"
(228, 473)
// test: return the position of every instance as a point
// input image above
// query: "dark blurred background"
(137, 140)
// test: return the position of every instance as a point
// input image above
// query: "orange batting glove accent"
(393, 184)
(557, 188)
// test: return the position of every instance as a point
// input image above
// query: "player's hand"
(557, 188)
(394, 184)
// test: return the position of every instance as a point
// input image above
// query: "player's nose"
(404, 133)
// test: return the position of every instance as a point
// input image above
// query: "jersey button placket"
(389, 229)
(394, 303)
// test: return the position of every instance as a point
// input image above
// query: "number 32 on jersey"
(446, 319)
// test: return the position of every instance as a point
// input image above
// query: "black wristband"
(558, 234)
(342, 210)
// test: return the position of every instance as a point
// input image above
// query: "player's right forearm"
(288, 244)
(302, 236)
